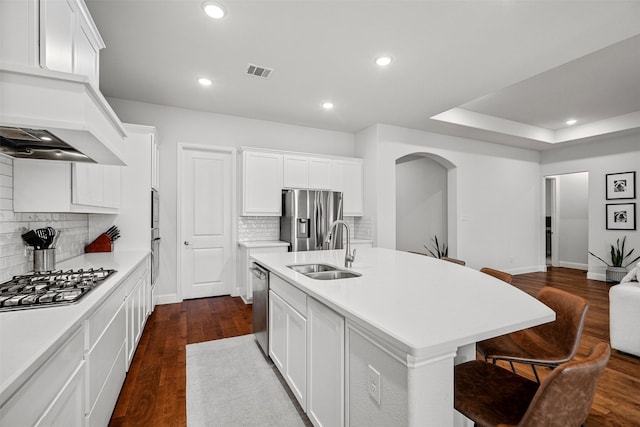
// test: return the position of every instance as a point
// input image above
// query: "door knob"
(186, 243)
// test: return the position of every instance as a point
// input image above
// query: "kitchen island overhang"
(424, 313)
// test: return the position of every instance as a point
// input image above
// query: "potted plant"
(617, 268)
(437, 251)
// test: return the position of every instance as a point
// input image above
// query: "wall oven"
(155, 236)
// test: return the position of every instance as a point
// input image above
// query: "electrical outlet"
(373, 385)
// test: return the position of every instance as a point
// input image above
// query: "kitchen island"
(405, 322)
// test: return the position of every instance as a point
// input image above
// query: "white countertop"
(263, 244)
(30, 337)
(421, 305)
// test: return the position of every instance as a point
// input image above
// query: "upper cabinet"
(307, 172)
(55, 186)
(265, 173)
(49, 52)
(347, 178)
(261, 183)
(57, 35)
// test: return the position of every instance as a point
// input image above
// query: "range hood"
(53, 115)
(37, 144)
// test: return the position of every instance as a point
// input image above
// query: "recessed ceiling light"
(383, 61)
(214, 10)
(327, 105)
(205, 81)
(571, 122)
(46, 138)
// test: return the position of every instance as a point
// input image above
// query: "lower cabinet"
(306, 343)
(55, 393)
(67, 408)
(247, 249)
(137, 309)
(106, 367)
(325, 391)
(288, 345)
(80, 383)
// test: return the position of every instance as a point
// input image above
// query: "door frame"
(553, 210)
(181, 148)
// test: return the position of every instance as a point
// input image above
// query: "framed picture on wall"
(621, 216)
(621, 185)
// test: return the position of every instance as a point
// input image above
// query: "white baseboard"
(167, 299)
(528, 269)
(574, 265)
(597, 276)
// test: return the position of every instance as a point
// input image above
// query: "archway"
(422, 202)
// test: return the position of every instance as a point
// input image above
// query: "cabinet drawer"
(102, 356)
(132, 279)
(108, 396)
(32, 399)
(289, 293)
(97, 324)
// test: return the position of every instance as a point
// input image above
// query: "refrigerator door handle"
(318, 213)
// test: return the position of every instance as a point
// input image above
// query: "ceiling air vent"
(258, 71)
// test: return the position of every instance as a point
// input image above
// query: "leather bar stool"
(494, 396)
(505, 277)
(547, 345)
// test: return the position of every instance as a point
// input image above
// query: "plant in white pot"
(617, 268)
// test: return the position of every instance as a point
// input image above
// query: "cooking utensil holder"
(44, 260)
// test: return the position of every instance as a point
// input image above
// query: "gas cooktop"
(49, 288)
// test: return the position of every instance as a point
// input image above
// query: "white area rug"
(230, 383)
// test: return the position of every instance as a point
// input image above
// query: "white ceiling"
(506, 71)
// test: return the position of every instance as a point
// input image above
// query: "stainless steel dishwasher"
(260, 284)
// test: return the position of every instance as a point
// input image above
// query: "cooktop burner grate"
(49, 288)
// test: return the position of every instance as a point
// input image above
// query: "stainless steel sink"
(323, 271)
(333, 275)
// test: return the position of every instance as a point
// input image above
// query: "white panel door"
(206, 223)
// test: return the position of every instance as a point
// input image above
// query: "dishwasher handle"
(259, 273)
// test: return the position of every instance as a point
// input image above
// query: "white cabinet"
(247, 249)
(325, 390)
(307, 345)
(95, 185)
(80, 381)
(55, 392)
(138, 293)
(288, 335)
(347, 178)
(265, 173)
(57, 31)
(261, 183)
(68, 407)
(106, 367)
(307, 172)
(112, 334)
(55, 186)
(69, 40)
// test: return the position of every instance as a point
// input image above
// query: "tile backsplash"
(258, 228)
(261, 228)
(15, 257)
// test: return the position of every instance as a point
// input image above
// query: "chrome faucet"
(348, 256)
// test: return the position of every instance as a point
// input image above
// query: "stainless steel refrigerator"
(306, 218)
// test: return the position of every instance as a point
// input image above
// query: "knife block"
(101, 244)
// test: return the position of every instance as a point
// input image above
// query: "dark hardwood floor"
(154, 393)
